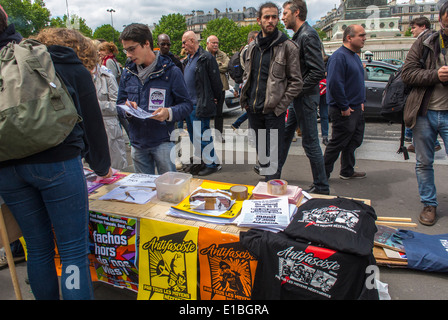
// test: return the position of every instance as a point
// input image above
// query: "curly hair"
(3, 20)
(83, 47)
(108, 47)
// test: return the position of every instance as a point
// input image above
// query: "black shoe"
(317, 191)
(209, 170)
(325, 141)
(257, 169)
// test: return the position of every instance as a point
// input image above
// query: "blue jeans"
(323, 112)
(240, 120)
(147, 160)
(50, 199)
(425, 132)
(408, 134)
(200, 137)
(303, 114)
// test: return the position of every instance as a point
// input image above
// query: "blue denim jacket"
(165, 87)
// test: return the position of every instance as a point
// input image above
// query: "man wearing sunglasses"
(426, 110)
(153, 83)
(164, 43)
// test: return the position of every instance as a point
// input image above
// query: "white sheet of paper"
(138, 195)
(139, 112)
(138, 179)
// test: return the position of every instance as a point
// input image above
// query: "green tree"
(228, 33)
(28, 17)
(408, 33)
(108, 33)
(76, 22)
(174, 25)
(322, 34)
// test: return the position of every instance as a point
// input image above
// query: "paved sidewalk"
(390, 184)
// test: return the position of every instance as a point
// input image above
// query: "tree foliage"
(76, 22)
(28, 17)
(108, 33)
(228, 33)
(174, 25)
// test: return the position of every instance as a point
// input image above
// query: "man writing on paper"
(152, 82)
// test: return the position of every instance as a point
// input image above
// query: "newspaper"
(267, 214)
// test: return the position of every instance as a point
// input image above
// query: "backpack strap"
(402, 148)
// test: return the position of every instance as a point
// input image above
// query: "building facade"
(197, 20)
(403, 13)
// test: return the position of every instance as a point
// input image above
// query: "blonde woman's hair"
(83, 47)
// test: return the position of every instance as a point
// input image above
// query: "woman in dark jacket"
(47, 192)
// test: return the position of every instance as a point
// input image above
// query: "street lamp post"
(112, 22)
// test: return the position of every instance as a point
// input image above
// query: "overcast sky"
(149, 12)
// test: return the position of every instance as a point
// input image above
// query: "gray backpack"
(36, 110)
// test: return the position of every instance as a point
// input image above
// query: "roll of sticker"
(277, 187)
(239, 192)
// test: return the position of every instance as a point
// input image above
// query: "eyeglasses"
(130, 49)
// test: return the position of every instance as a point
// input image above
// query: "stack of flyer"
(294, 193)
(267, 214)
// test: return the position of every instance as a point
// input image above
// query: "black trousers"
(347, 135)
(268, 127)
(219, 120)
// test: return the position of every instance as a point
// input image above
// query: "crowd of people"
(286, 82)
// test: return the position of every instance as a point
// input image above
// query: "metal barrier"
(388, 54)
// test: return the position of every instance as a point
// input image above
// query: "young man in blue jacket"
(152, 82)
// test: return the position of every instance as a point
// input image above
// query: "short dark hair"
(421, 21)
(300, 5)
(443, 10)
(349, 31)
(137, 32)
(267, 5)
(3, 21)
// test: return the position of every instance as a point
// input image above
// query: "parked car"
(231, 102)
(376, 75)
(395, 62)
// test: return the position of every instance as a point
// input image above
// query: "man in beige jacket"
(223, 61)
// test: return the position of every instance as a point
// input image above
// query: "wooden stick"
(394, 219)
(9, 258)
(397, 224)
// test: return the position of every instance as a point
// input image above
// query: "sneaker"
(355, 175)
(438, 148)
(407, 139)
(209, 170)
(411, 148)
(314, 190)
(4, 261)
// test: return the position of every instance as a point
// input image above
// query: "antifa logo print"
(230, 271)
(167, 265)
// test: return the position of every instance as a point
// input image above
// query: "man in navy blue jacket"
(345, 97)
(152, 82)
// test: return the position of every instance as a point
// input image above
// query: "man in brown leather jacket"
(272, 80)
(426, 110)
